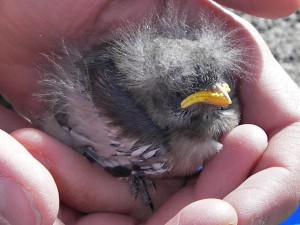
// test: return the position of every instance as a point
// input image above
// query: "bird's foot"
(139, 184)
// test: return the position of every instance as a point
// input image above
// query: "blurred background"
(283, 38)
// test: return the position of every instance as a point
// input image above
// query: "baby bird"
(152, 102)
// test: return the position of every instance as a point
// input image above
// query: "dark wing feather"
(89, 111)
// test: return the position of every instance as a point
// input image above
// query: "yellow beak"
(218, 96)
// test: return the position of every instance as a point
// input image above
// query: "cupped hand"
(254, 177)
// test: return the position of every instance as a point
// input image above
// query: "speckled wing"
(75, 119)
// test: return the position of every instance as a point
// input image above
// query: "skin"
(266, 9)
(251, 180)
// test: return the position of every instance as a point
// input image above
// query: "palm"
(31, 29)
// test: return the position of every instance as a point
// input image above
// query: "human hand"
(83, 193)
(265, 9)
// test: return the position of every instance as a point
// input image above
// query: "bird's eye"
(224, 107)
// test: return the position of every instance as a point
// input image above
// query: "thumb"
(28, 194)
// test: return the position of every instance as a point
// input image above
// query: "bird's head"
(183, 84)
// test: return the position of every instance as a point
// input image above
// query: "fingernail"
(16, 205)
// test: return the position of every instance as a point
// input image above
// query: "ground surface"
(283, 38)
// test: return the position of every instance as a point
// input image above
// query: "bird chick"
(152, 102)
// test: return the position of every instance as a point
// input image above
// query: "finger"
(10, 121)
(85, 186)
(208, 211)
(265, 196)
(81, 185)
(242, 148)
(105, 218)
(283, 151)
(26, 187)
(266, 8)
(67, 215)
(273, 192)
(183, 209)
